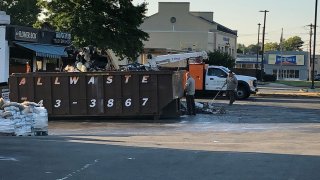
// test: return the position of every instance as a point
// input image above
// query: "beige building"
(175, 28)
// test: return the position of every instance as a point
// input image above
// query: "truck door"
(215, 79)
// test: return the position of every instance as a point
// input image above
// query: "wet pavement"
(256, 111)
(257, 117)
(260, 138)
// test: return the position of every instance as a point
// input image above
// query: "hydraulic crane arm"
(171, 58)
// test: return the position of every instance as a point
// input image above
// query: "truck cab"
(207, 78)
(214, 77)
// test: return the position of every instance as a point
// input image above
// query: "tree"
(293, 44)
(242, 49)
(253, 48)
(106, 24)
(271, 46)
(220, 59)
(22, 12)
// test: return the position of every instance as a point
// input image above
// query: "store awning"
(45, 50)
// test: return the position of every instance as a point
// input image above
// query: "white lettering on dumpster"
(74, 80)
(39, 83)
(128, 102)
(22, 82)
(91, 81)
(93, 103)
(56, 81)
(110, 103)
(109, 79)
(127, 78)
(58, 103)
(145, 100)
(145, 79)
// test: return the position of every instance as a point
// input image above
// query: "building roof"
(220, 27)
(198, 15)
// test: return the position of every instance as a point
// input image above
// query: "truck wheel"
(242, 93)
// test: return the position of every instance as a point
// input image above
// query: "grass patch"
(299, 83)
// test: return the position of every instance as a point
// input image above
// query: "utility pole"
(281, 49)
(263, 36)
(314, 44)
(310, 50)
(258, 50)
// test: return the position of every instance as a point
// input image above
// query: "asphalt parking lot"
(260, 138)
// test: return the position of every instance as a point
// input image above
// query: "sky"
(293, 16)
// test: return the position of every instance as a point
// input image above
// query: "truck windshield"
(225, 69)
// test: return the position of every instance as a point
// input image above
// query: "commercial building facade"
(41, 49)
(295, 65)
(287, 65)
(175, 28)
(26, 49)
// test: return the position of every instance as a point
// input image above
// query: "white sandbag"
(6, 126)
(22, 127)
(40, 119)
(7, 114)
(12, 109)
(23, 119)
(27, 110)
(24, 130)
(15, 104)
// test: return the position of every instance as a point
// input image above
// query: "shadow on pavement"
(57, 158)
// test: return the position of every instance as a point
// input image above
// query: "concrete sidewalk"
(274, 89)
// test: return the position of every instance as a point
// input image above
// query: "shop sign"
(26, 35)
(62, 38)
(286, 59)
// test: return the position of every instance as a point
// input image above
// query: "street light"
(314, 44)
(258, 49)
(263, 35)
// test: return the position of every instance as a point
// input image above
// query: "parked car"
(317, 77)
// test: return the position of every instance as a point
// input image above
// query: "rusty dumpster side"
(108, 94)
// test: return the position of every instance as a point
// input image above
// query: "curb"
(302, 94)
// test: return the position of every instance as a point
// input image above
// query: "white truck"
(207, 78)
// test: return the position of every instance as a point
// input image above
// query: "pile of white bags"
(22, 119)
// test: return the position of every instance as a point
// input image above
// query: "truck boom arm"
(171, 58)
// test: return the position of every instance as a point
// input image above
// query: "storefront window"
(52, 65)
(296, 74)
(18, 65)
(274, 72)
(287, 73)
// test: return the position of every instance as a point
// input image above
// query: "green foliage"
(22, 12)
(106, 24)
(242, 49)
(293, 44)
(253, 48)
(271, 46)
(220, 59)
